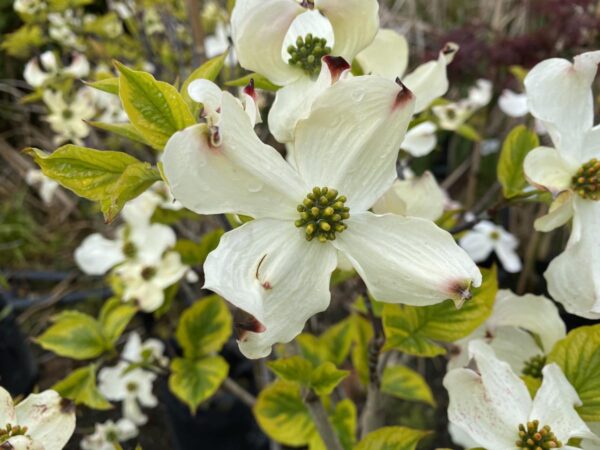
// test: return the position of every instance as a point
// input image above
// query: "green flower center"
(148, 273)
(533, 438)
(307, 53)
(129, 250)
(534, 366)
(10, 431)
(494, 235)
(67, 114)
(586, 181)
(131, 386)
(322, 214)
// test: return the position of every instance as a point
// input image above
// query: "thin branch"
(241, 393)
(319, 415)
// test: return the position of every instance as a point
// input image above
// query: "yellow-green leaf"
(114, 317)
(208, 71)
(74, 335)
(260, 82)
(405, 383)
(578, 355)
(416, 329)
(362, 333)
(295, 369)
(110, 85)
(468, 132)
(204, 327)
(325, 378)
(80, 386)
(392, 438)
(126, 130)
(155, 108)
(194, 254)
(519, 142)
(343, 421)
(337, 341)
(194, 381)
(22, 42)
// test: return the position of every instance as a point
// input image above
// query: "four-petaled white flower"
(487, 237)
(132, 387)
(67, 120)
(150, 351)
(220, 42)
(107, 434)
(560, 96)
(452, 115)
(493, 407)
(277, 267)
(40, 422)
(47, 187)
(50, 69)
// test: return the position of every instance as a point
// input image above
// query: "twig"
(57, 293)
(241, 393)
(529, 262)
(197, 30)
(319, 415)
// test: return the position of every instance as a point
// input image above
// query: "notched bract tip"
(404, 96)
(244, 322)
(249, 89)
(461, 292)
(337, 66)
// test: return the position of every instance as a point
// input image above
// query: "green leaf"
(110, 178)
(363, 333)
(414, 329)
(343, 421)
(468, 132)
(405, 383)
(260, 82)
(110, 85)
(74, 335)
(210, 70)
(114, 317)
(519, 142)
(325, 378)
(195, 381)
(126, 130)
(295, 369)
(194, 254)
(333, 345)
(578, 355)
(282, 414)
(533, 384)
(392, 438)
(204, 327)
(155, 108)
(22, 42)
(80, 386)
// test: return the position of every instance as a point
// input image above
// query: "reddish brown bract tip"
(404, 96)
(337, 65)
(449, 48)
(244, 323)
(249, 89)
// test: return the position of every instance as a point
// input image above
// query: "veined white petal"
(429, 81)
(7, 408)
(548, 169)
(514, 346)
(258, 30)
(387, 55)
(460, 437)
(355, 24)
(509, 258)
(47, 420)
(559, 93)
(350, 140)
(151, 241)
(407, 259)
(477, 244)
(310, 21)
(415, 197)
(554, 405)
(560, 212)
(268, 269)
(481, 93)
(96, 254)
(79, 67)
(591, 144)
(513, 104)
(33, 74)
(534, 313)
(209, 94)
(577, 285)
(241, 175)
(420, 140)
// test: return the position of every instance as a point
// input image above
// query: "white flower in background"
(486, 237)
(560, 95)
(132, 387)
(124, 9)
(421, 139)
(67, 120)
(110, 107)
(107, 434)
(29, 7)
(47, 187)
(513, 104)
(493, 407)
(40, 422)
(452, 115)
(37, 76)
(152, 22)
(61, 27)
(510, 331)
(149, 351)
(285, 41)
(218, 43)
(277, 267)
(415, 197)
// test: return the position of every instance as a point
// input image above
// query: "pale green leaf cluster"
(519, 142)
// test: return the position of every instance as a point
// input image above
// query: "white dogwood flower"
(487, 237)
(29, 7)
(218, 43)
(151, 350)
(40, 422)
(560, 95)
(67, 120)
(107, 434)
(452, 115)
(493, 407)
(36, 76)
(47, 187)
(277, 267)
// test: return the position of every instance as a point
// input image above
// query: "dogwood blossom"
(47, 187)
(277, 267)
(493, 406)
(151, 350)
(452, 115)
(40, 422)
(487, 237)
(36, 76)
(560, 96)
(107, 434)
(67, 120)
(220, 42)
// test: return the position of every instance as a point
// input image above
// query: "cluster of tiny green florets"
(533, 438)
(322, 214)
(10, 431)
(586, 181)
(534, 366)
(307, 53)
(129, 249)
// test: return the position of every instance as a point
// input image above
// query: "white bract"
(150, 351)
(107, 434)
(36, 76)
(47, 187)
(560, 96)
(218, 43)
(40, 422)
(30, 7)
(452, 115)
(133, 388)
(277, 267)
(487, 237)
(492, 405)
(67, 120)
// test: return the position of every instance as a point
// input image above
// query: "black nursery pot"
(18, 369)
